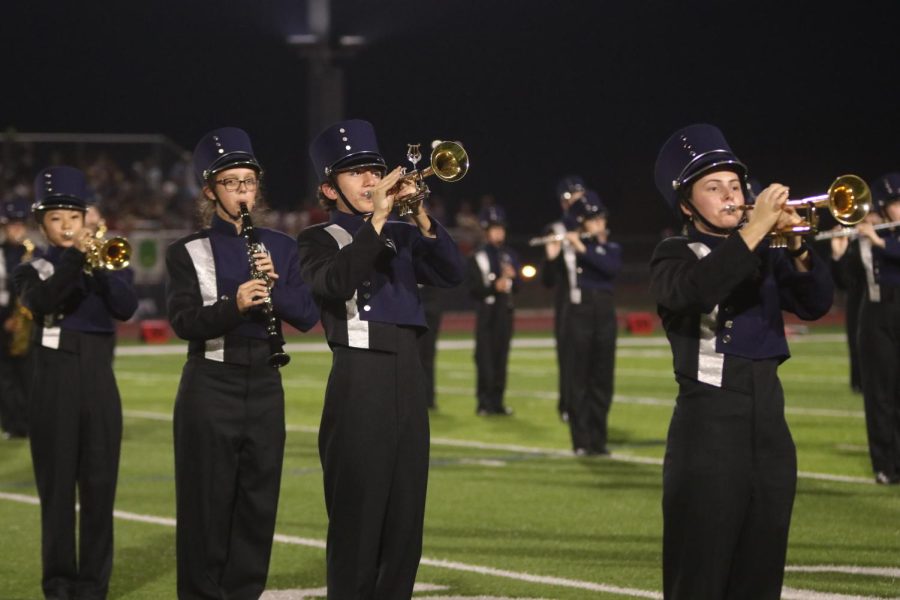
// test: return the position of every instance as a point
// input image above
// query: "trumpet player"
(364, 269)
(875, 256)
(15, 335)
(76, 426)
(229, 423)
(730, 468)
(589, 325)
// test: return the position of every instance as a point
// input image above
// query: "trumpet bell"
(849, 199)
(115, 254)
(450, 161)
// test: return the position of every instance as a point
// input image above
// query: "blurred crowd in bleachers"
(145, 187)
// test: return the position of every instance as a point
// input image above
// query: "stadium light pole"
(324, 52)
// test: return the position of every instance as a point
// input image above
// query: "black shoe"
(505, 411)
(883, 478)
(482, 412)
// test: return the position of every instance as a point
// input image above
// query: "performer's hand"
(381, 201)
(251, 293)
(264, 264)
(552, 249)
(768, 208)
(574, 238)
(839, 244)
(866, 229)
(83, 240)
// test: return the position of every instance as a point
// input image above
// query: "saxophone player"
(229, 429)
(17, 323)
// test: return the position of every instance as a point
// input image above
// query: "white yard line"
(590, 586)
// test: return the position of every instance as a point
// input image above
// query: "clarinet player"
(229, 412)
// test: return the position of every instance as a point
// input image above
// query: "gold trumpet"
(848, 199)
(113, 254)
(449, 162)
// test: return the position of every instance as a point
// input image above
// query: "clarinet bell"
(278, 360)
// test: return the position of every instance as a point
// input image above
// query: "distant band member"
(229, 412)
(589, 325)
(76, 411)
(493, 279)
(17, 321)
(879, 331)
(373, 439)
(558, 268)
(730, 469)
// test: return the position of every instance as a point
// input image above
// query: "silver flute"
(851, 232)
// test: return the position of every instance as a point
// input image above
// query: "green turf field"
(511, 513)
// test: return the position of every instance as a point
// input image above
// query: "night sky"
(535, 90)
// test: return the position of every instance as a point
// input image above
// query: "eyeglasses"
(233, 184)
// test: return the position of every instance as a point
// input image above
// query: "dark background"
(535, 89)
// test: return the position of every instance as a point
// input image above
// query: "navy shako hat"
(569, 184)
(222, 149)
(492, 215)
(690, 153)
(345, 145)
(588, 207)
(885, 190)
(61, 187)
(15, 209)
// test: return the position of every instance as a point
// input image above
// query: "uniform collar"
(698, 236)
(220, 225)
(350, 222)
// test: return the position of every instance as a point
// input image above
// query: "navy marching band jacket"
(721, 304)
(205, 270)
(366, 284)
(63, 298)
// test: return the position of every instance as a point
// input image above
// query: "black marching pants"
(879, 348)
(374, 443)
(229, 449)
(729, 480)
(562, 364)
(589, 342)
(76, 436)
(15, 388)
(493, 334)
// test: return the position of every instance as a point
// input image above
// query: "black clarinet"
(277, 357)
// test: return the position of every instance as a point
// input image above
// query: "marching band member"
(373, 439)
(878, 337)
(15, 335)
(559, 261)
(493, 278)
(730, 468)
(589, 326)
(229, 428)
(76, 411)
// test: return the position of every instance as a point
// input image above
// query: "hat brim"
(363, 159)
(231, 161)
(60, 203)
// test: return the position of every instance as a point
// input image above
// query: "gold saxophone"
(22, 319)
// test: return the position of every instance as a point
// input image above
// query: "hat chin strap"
(234, 218)
(695, 214)
(333, 181)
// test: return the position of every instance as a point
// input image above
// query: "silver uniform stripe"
(710, 364)
(484, 265)
(200, 251)
(357, 329)
(49, 332)
(569, 259)
(4, 292)
(865, 255)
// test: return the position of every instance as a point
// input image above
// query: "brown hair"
(206, 207)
